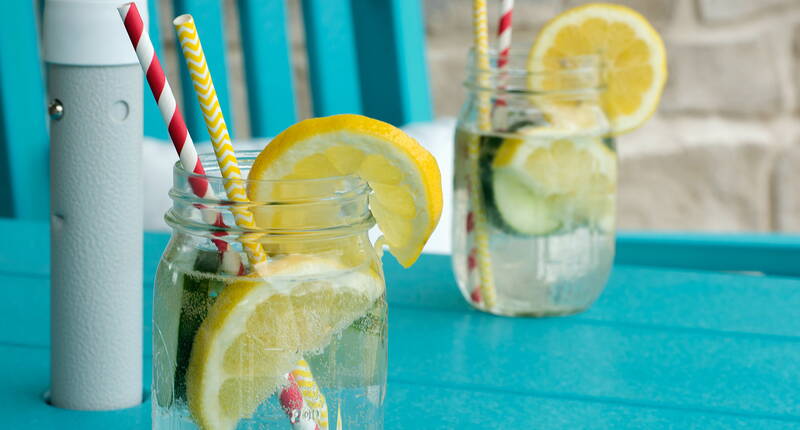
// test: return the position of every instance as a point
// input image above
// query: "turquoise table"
(662, 348)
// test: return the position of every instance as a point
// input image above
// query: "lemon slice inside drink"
(632, 58)
(542, 184)
(406, 198)
(258, 329)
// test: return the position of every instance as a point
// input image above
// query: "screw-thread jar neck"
(309, 208)
(567, 75)
(562, 96)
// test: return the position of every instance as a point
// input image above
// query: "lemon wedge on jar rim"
(632, 58)
(406, 198)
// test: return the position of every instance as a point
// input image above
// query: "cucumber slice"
(511, 205)
(197, 298)
(166, 318)
(522, 209)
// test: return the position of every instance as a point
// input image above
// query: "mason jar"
(296, 342)
(534, 187)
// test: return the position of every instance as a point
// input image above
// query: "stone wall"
(723, 151)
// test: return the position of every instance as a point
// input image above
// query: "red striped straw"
(295, 407)
(504, 33)
(178, 132)
(503, 43)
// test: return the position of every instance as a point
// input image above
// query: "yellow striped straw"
(480, 27)
(217, 129)
(311, 393)
(229, 167)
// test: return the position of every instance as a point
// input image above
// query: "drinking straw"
(503, 49)
(311, 392)
(481, 42)
(292, 403)
(178, 132)
(226, 158)
(504, 33)
(218, 130)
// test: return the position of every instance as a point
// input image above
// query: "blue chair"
(364, 56)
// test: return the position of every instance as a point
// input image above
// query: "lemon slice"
(545, 184)
(632, 55)
(258, 329)
(406, 198)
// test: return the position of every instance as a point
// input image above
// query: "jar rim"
(246, 158)
(573, 75)
(344, 198)
(275, 191)
(517, 57)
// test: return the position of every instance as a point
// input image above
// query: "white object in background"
(95, 88)
(437, 137)
(158, 159)
(87, 32)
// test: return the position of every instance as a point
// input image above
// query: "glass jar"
(534, 188)
(297, 342)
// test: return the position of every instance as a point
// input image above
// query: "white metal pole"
(95, 91)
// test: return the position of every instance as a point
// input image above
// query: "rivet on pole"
(56, 110)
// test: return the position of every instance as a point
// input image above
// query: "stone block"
(447, 61)
(448, 16)
(735, 77)
(796, 64)
(725, 11)
(658, 12)
(698, 175)
(786, 190)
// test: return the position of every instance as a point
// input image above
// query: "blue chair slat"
(268, 66)
(208, 18)
(23, 132)
(391, 57)
(332, 62)
(153, 123)
(768, 253)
